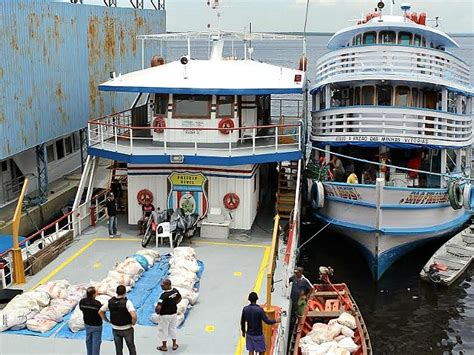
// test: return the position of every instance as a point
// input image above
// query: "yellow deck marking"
(237, 273)
(209, 328)
(231, 244)
(258, 284)
(75, 255)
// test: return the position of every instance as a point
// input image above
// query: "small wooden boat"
(328, 301)
(451, 260)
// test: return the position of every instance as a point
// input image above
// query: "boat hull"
(386, 227)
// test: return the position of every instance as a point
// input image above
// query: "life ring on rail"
(159, 124)
(144, 194)
(466, 196)
(231, 201)
(226, 125)
(317, 195)
(422, 18)
(455, 194)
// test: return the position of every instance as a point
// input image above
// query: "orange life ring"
(144, 194)
(422, 18)
(226, 125)
(231, 201)
(159, 124)
(414, 17)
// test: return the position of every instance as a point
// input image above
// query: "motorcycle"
(183, 226)
(156, 218)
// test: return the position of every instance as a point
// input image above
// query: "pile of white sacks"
(125, 273)
(40, 310)
(334, 338)
(183, 275)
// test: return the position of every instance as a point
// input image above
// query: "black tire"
(147, 236)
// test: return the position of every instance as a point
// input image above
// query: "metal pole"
(18, 267)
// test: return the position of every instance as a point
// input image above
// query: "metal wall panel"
(53, 56)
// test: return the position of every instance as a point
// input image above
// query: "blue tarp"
(6, 242)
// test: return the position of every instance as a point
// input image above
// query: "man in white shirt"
(122, 318)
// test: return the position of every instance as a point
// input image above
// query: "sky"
(288, 15)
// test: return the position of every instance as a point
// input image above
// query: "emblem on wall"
(188, 191)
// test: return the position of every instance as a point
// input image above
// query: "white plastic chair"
(162, 232)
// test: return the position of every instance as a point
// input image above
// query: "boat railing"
(76, 221)
(411, 62)
(11, 189)
(400, 123)
(117, 133)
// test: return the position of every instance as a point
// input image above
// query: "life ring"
(226, 125)
(466, 198)
(317, 195)
(455, 194)
(422, 18)
(231, 201)
(159, 124)
(144, 194)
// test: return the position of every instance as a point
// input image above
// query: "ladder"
(286, 190)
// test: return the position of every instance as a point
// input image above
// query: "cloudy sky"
(288, 15)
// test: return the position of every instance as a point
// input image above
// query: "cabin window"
(76, 141)
(322, 99)
(161, 104)
(423, 42)
(357, 96)
(417, 41)
(50, 153)
(463, 105)
(387, 37)
(404, 38)
(68, 145)
(60, 148)
(369, 38)
(384, 95)
(357, 40)
(368, 94)
(451, 102)
(414, 98)
(402, 96)
(192, 106)
(225, 105)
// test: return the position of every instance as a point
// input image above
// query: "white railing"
(402, 124)
(115, 133)
(412, 63)
(87, 214)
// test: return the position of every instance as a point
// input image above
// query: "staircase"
(119, 171)
(286, 191)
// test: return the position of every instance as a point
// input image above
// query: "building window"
(68, 145)
(60, 148)
(50, 153)
(161, 104)
(384, 95)
(451, 102)
(192, 106)
(387, 37)
(75, 141)
(5, 165)
(225, 105)
(404, 38)
(402, 96)
(368, 95)
(322, 99)
(369, 38)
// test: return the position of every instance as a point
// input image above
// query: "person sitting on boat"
(338, 169)
(368, 176)
(251, 326)
(147, 209)
(299, 284)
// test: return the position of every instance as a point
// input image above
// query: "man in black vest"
(122, 317)
(92, 322)
(167, 309)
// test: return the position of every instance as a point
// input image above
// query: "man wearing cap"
(251, 325)
(299, 284)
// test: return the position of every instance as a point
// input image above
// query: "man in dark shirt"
(92, 321)
(167, 309)
(111, 210)
(252, 316)
(299, 284)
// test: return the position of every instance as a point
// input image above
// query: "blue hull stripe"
(210, 91)
(196, 160)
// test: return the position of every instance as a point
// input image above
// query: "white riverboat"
(393, 101)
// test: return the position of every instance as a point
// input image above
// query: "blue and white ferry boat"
(392, 101)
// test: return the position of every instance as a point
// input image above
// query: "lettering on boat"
(381, 139)
(345, 192)
(189, 125)
(425, 198)
(188, 191)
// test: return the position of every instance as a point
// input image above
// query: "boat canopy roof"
(391, 23)
(211, 77)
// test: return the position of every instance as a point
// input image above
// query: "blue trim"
(411, 189)
(455, 223)
(196, 160)
(209, 91)
(242, 177)
(345, 184)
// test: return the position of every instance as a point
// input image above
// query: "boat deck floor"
(232, 270)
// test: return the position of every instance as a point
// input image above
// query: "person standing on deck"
(122, 318)
(251, 325)
(168, 311)
(299, 283)
(92, 321)
(111, 211)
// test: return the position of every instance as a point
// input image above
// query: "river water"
(403, 314)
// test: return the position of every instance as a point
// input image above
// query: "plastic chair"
(162, 232)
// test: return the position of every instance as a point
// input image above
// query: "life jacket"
(119, 314)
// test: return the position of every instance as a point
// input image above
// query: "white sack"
(40, 323)
(347, 319)
(348, 344)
